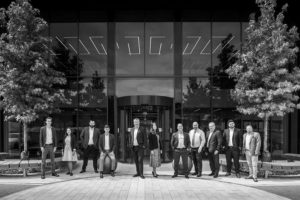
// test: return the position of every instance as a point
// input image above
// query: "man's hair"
(229, 121)
(136, 119)
(48, 118)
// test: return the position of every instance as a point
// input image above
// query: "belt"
(49, 144)
(180, 148)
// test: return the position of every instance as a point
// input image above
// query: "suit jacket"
(85, 137)
(111, 142)
(237, 138)
(175, 140)
(255, 143)
(215, 141)
(43, 136)
(73, 142)
(153, 142)
(141, 137)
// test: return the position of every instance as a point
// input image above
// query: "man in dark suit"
(89, 138)
(214, 143)
(107, 147)
(233, 141)
(138, 143)
(48, 144)
(180, 143)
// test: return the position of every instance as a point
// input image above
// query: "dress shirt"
(248, 139)
(135, 142)
(49, 138)
(210, 133)
(106, 146)
(91, 132)
(198, 135)
(180, 141)
(230, 137)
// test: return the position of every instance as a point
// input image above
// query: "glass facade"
(163, 71)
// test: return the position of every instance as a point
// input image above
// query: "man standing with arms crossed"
(197, 138)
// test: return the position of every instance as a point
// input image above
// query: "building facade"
(157, 63)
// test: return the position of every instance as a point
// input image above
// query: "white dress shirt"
(230, 137)
(210, 133)
(106, 146)
(49, 138)
(180, 141)
(91, 135)
(135, 142)
(248, 140)
(198, 134)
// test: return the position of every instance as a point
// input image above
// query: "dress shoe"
(238, 175)
(82, 171)
(43, 177)
(96, 171)
(112, 173)
(199, 174)
(249, 177)
(255, 180)
(211, 174)
(136, 175)
(186, 176)
(227, 174)
(216, 176)
(101, 175)
(71, 174)
(68, 173)
(142, 176)
(154, 175)
(194, 174)
(55, 174)
(175, 175)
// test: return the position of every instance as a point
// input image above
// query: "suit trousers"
(112, 157)
(233, 153)
(91, 149)
(252, 163)
(184, 156)
(197, 160)
(138, 155)
(48, 149)
(214, 162)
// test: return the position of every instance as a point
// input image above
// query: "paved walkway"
(124, 186)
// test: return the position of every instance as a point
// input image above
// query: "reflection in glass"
(93, 48)
(196, 46)
(93, 92)
(196, 102)
(130, 49)
(146, 86)
(159, 49)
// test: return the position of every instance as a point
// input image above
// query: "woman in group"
(69, 153)
(155, 148)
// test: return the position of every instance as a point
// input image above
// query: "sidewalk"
(123, 186)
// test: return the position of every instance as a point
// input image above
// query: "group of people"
(196, 143)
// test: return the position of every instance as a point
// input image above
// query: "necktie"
(193, 141)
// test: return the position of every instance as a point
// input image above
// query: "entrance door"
(161, 114)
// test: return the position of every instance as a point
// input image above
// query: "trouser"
(197, 160)
(214, 162)
(138, 154)
(91, 149)
(252, 163)
(112, 157)
(184, 156)
(48, 149)
(233, 153)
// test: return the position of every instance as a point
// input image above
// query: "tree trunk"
(25, 134)
(266, 153)
(266, 135)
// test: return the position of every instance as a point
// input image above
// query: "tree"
(266, 74)
(26, 80)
